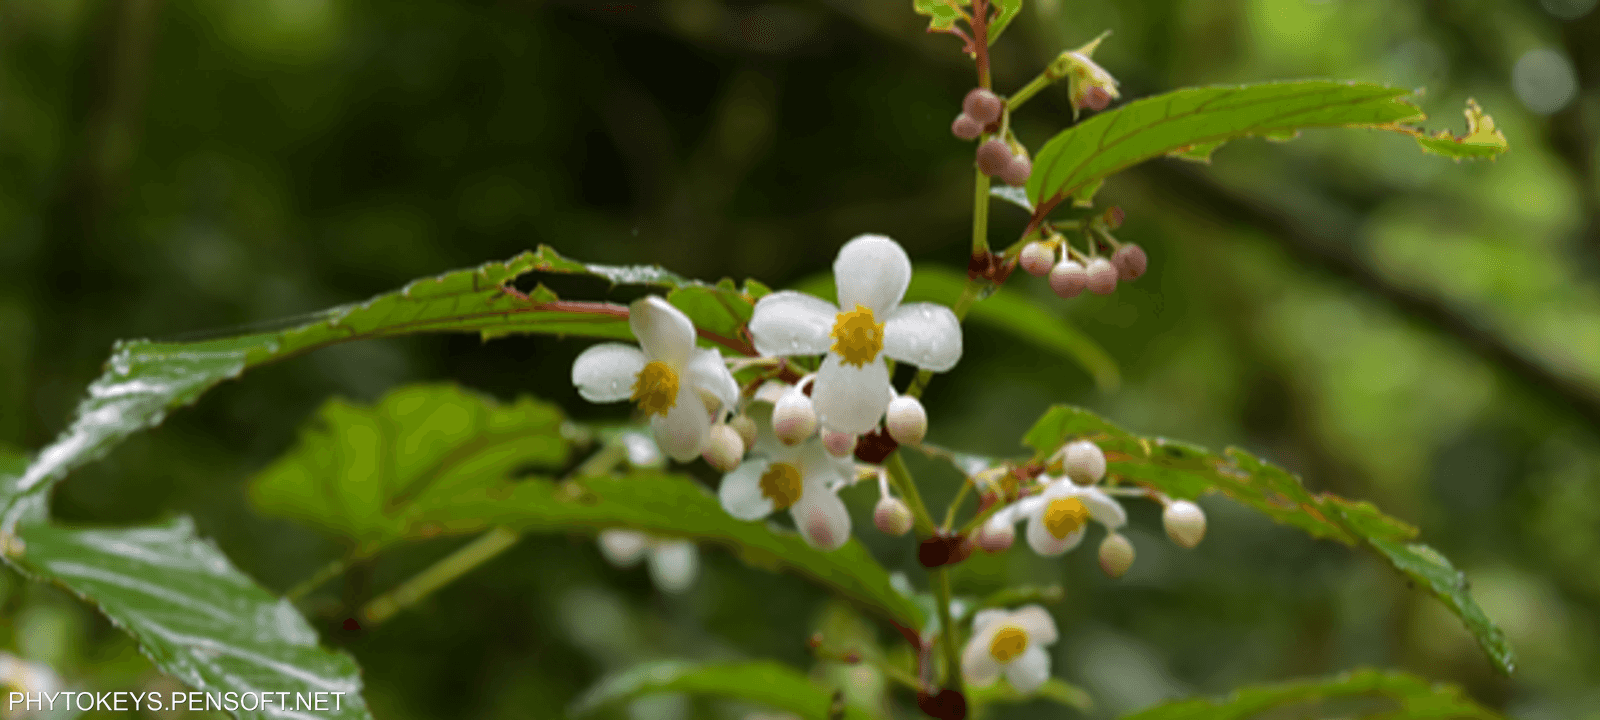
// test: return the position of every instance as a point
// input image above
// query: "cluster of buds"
(1071, 272)
(983, 112)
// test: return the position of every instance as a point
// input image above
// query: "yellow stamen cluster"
(781, 483)
(1008, 643)
(656, 388)
(1063, 516)
(857, 340)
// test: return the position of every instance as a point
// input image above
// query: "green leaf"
(365, 472)
(1015, 195)
(1055, 690)
(193, 614)
(1389, 695)
(942, 14)
(1192, 122)
(1187, 471)
(1482, 140)
(1006, 310)
(761, 682)
(1008, 10)
(672, 505)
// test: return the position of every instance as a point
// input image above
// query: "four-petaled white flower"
(1059, 516)
(678, 386)
(1010, 643)
(801, 479)
(852, 387)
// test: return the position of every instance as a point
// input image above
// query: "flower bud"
(1102, 276)
(965, 128)
(839, 444)
(1116, 555)
(724, 448)
(993, 157)
(1037, 258)
(1068, 278)
(793, 417)
(674, 565)
(982, 105)
(1094, 98)
(1130, 261)
(996, 537)
(746, 428)
(1017, 171)
(1185, 522)
(1084, 462)
(892, 516)
(906, 420)
(622, 547)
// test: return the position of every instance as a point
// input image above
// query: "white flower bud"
(793, 417)
(724, 448)
(1116, 555)
(1068, 279)
(1102, 276)
(621, 547)
(1084, 462)
(674, 565)
(1185, 522)
(996, 537)
(839, 444)
(892, 516)
(746, 428)
(907, 420)
(1037, 258)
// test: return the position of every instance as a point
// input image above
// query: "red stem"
(980, 40)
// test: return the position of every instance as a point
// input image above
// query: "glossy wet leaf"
(761, 682)
(194, 615)
(1187, 471)
(1372, 694)
(365, 472)
(1192, 122)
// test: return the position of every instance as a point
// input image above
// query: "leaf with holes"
(1192, 122)
(1187, 471)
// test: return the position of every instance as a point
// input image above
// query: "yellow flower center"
(656, 388)
(781, 483)
(1008, 643)
(856, 338)
(1063, 516)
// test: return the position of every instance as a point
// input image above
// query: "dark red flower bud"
(982, 105)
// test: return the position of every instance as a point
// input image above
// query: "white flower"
(677, 385)
(801, 479)
(1058, 517)
(852, 387)
(1011, 643)
(674, 563)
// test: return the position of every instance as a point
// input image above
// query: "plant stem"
(440, 574)
(322, 575)
(947, 629)
(900, 477)
(1026, 93)
(980, 214)
(950, 513)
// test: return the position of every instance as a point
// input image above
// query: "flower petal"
(682, 432)
(1044, 543)
(1028, 672)
(849, 398)
(1102, 507)
(708, 373)
(740, 492)
(665, 333)
(606, 372)
(792, 323)
(1037, 623)
(822, 518)
(621, 547)
(984, 618)
(926, 335)
(978, 666)
(674, 565)
(874, 271)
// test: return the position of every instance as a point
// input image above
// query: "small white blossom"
(799, 478)
(1185, 522)
(1009, 643)
(680, 387)
(674, 563)
(869, 324)
(1058, 517)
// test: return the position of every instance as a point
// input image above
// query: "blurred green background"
(1393, 326)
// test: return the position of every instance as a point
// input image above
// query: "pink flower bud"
(839, 444)
(906, 420)
(993, 157)
(965, 128)
(1068, 278)
(1037, 258)
(1102, 276)
(1017, 171)
(793, 418)
(892, 516)
(1130, 261)
(996, 537)
(982, 105)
